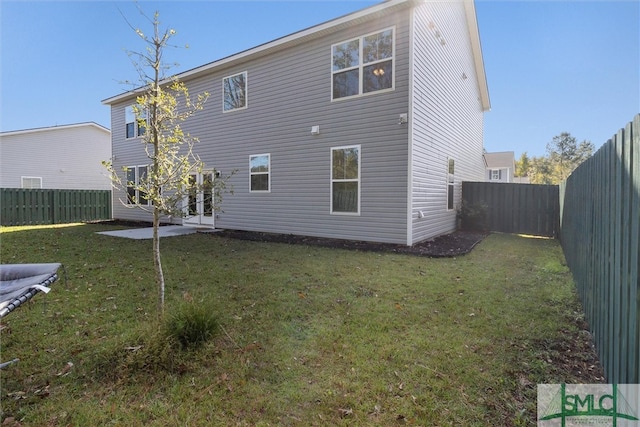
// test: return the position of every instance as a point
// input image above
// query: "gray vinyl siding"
(65, 157)
(126, 152)
(447, 116)
(289, 91)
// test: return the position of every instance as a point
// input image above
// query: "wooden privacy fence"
(601, 237)
(516, 208)
(20, 206)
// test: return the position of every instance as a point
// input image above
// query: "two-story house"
(361, 128)
(58, 157)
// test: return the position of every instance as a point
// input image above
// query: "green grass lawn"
(310, 336)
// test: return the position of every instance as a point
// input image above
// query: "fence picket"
(626, 197)
(634, 254)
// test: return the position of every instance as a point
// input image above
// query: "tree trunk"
(156, 185)
(157, 264)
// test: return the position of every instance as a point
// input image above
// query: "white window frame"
(358, 180)
(360, 67)
(495, 175)
(138, 200)
(246, 92)
(128, 115)
(31, 179)
(451, 180)
(268, 173)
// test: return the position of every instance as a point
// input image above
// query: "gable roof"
(330, 27)
(504, 159)
(49, 128)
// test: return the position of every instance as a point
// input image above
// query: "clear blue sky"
(552, 66)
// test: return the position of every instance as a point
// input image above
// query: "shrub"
(473, 216)
(192, 324)
(143, 348)
(152, 347)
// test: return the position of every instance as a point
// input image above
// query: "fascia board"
(476, 47)
(50, 128)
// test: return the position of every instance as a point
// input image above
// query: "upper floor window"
(362, 65)
(234, 93)
(345, 179)
(496, 174)
(259, 170)
(134, 127)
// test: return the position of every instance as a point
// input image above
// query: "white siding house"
(500, 166)
(57, 157)
(359, 128)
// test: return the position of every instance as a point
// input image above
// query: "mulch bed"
(449, 245)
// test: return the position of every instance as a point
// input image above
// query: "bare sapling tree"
(162, 104)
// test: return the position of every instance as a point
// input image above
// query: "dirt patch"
(570, 358)
(449, 245)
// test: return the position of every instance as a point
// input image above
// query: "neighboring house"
(359, 128)
(500, 166)
(57, 157)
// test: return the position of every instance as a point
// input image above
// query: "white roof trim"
(476, 48)
(50, 128)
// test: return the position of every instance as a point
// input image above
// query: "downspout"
(410, 131)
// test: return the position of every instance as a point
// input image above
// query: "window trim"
(137, 133)
(358, 180)
(23, 177)
(246, 92)
(360, 67)
(138, 200)
(498, 172)
(128, 112)
(268, 173)
(451, 180)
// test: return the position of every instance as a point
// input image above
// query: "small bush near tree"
(192, 324)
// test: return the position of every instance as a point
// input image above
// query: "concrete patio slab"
(147, 232)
